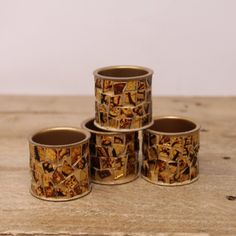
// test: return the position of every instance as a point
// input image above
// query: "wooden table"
(137, 208)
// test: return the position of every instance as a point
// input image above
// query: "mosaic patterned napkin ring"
(170, 151)
(114, 156)
(123, 98)
(59, 164)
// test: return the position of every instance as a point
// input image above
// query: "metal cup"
(114, 156)
(170, 151)
(123, 98)
(59, 163)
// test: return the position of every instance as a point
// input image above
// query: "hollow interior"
(172, 125)
(58, 137)
(90, 125)
(123, 72)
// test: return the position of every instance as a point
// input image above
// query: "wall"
(52, 47)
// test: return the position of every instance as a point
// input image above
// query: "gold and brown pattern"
(61, 180)
(59, 174)
(123, 104)
(170, 159)
(114, 156)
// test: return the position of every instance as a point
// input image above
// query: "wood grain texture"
(137, 208)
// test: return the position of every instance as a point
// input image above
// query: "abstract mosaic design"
(59, 173)
(123, 104)
(170, 159)
(114, 158)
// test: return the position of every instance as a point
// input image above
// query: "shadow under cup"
(59, 164)
(170, 151)
(114, 156)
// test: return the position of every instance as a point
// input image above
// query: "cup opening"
(123, 72)
(58, 137)
(90, 125)
(173, 125)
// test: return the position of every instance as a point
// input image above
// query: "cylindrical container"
(170, 151)
(114, 156)
(123, 98)
(59, 163)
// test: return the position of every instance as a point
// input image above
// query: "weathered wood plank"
(137, 208)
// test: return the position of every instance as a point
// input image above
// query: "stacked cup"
(123, 106)
(106, 151)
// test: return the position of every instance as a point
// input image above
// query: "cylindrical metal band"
(114, 156)
(59, 164)
(170, 151)
(123, 98)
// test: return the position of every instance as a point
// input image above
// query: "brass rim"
(170, 185)
(77, 130)
(55, 199)
(148, 72)
(195, 129)
(117, 182)
(108, 131)
(123, 130)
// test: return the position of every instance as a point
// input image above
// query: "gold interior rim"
(59, 137)
(173, 125)
(123, 72)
